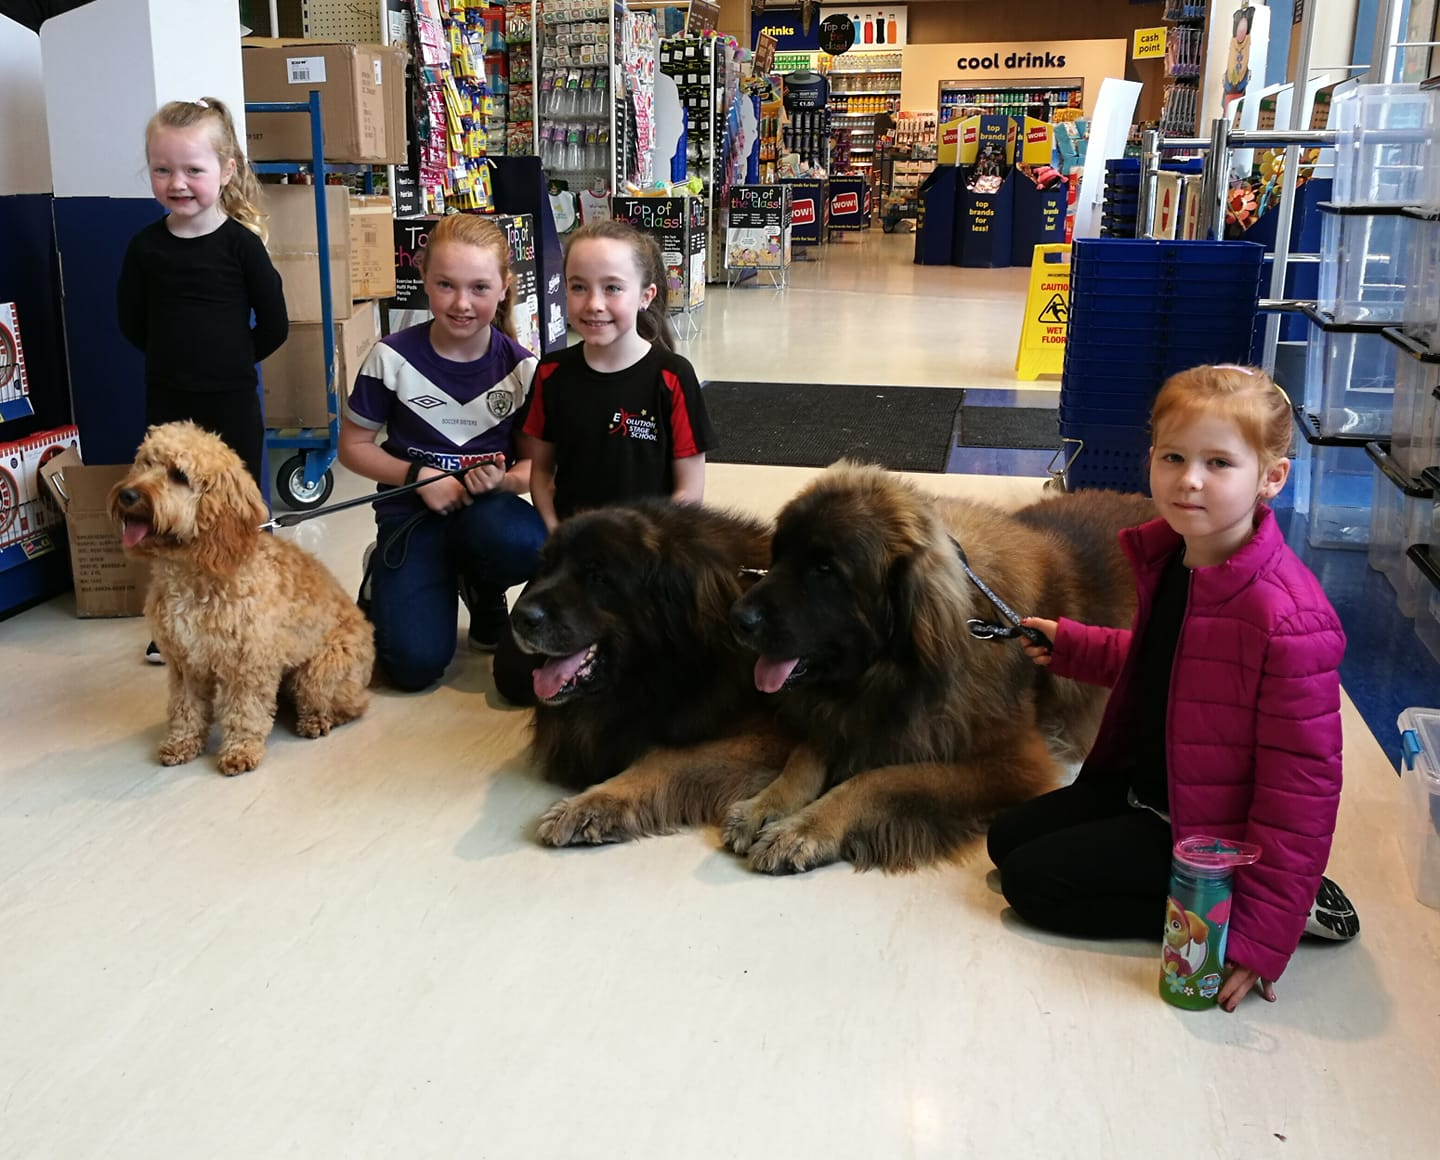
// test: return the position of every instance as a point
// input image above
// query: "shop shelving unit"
(1039, 99)
(861, 85)
(575, 88)
(1180, 110)
(706, 86)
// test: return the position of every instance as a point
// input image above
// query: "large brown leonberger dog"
(916, 731)
(641, 685)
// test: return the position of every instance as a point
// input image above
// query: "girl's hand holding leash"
(1040, 654)
(450, 494)
(1239, 983)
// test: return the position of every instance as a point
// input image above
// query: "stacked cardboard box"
(362, 269)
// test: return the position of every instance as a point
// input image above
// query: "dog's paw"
(791, 846)
(241, 757)
(745, 820)
(313, 724)
(588, 819)
(178, 750)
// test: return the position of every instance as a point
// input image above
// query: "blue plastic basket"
(1104, 456)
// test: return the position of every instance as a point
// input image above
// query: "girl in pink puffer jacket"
(1224, 717)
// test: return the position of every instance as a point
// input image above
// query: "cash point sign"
(1149, 42)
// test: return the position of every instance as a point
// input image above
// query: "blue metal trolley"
(304, 480)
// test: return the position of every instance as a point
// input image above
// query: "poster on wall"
(1239, 38)
(791, 32)
(875, 28)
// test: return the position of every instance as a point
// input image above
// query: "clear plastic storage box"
(1383, 141)
(1415, 421)
(1421, 316)
(1334, 488)
(1350, 381)
(1364, 265)
(1398, 520)
(1420, 808)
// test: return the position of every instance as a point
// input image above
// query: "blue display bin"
(1039, 219)
(987, 225)
(936, 239)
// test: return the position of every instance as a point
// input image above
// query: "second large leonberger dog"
(915, 730)
(640, 684)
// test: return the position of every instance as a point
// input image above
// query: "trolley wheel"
(292, 491)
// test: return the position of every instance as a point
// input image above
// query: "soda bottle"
(1197, 919)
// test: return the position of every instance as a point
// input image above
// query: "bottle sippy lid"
(1206, 853)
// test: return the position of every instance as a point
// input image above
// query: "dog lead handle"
(290, 519)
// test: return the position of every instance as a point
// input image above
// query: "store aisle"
(358, 950)
(860, 311)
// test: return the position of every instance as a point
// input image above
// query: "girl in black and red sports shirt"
(620, 415)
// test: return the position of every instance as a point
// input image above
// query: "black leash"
(290, 519)
(989, 629)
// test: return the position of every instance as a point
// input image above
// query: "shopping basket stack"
(1139, 312)
(1122, 198)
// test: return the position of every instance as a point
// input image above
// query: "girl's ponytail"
(654, 323)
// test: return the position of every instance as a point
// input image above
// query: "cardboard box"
(362, 99)
(372, 247)
(295, 250)
(294, 376)
(107, 582)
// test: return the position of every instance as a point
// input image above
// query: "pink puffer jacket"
(1253, 738)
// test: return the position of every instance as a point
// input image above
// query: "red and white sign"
(972, 134)
(950, 134)
(843, 203)
(802, 212)
(1036, 135)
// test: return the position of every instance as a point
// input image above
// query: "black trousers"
(235, 416)
(1082, 861)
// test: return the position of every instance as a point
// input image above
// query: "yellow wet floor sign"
(1047, 313)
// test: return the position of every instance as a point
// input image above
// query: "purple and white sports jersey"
(440, 412)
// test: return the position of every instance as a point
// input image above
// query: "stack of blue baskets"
(1122, 198)
(1139, 312)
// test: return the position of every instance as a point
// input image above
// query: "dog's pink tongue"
(550, 677)
(770, 675)
(135, 531)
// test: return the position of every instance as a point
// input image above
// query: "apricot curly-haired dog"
(237, 614)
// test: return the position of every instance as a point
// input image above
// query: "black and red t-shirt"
(616, 434)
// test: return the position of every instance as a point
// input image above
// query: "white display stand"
(108, 65)
(24, 145)
(1109, 130)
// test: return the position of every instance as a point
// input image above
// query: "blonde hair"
(468, 229)
(653, 322)
(240, 196)
(1245, 396)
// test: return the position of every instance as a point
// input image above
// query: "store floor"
(359, 950)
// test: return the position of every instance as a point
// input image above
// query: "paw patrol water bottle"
(1197, 919)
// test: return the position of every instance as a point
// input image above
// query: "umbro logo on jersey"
(427, 402)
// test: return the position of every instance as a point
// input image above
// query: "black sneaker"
(489, 615)
(152, 654)
(363, 600)
(1332, 916)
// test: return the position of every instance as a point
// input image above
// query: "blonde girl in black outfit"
(192, 283)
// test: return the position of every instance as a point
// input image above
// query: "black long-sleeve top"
(186, 303)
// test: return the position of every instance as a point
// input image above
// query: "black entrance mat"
(812, 425)
(1026, 428)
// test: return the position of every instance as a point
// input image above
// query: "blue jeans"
(415, 572)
